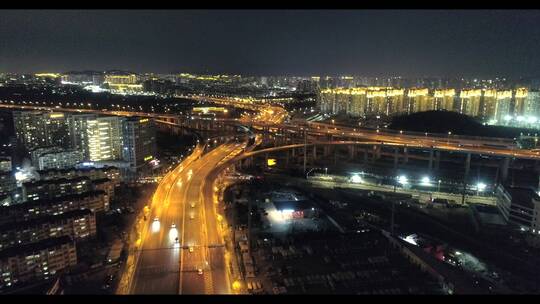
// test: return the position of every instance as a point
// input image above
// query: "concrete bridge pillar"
(326, 151)
(504, 168)
(396, 157)
(314, 152)
(430, 166)
(293, 151)
(366, 155)
(405, 155)
(305, 157)
(286, 158)
(376, 152)
(352, 152)
(467, 166)
(437, 159)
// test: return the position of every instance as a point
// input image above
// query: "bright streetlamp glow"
(481, 186)
(236, 285)
(356, 179)
(426, 181)
(402, 179)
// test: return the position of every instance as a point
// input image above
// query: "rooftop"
(66, 198)
(56, 181)
(36, 246)
(43, 219)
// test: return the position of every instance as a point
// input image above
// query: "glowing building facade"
(517, 107)
(139, 141)
(489, 104)
(444, 99)
(469, 102)
(78, 125)
(105, 138)
(503, 106)
(41, 129)
(419, 100)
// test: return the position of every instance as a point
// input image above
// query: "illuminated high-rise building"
(444, 99)
(358, 100)
(105, 138)
(488, 104)
(123, 82)
(121, 79)
(341, 101)
(376, 101)
(469, 102)
(395, 102)
(39, 129)
(419, 100)
(325, 99)
(78, 125)
(503, 107)
(139, 141)
(520, 97)
(532, 104)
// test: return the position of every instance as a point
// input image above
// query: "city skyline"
(250, 152)
(407, 43)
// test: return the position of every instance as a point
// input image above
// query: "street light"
(425, 181)
(480, 187)
(439, 187)
(356, 179)
(402, 179)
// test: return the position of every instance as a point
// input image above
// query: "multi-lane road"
(189, 257)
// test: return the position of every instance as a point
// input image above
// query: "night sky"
(405, 43)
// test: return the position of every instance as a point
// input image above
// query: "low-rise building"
(519, 206)
(93, 173)
(78, 224)
(104, 184)
(55, 158)
(48, 189)
(96, 201)
(36, 261)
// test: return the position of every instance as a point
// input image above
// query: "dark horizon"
(371, 43)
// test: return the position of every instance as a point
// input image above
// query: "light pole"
(307, 174)
(439, 187)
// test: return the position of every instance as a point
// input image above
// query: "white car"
(173, 226)
(190, 249)
(191, 216)
(199, 271)
(192, 205)
(156, 219)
